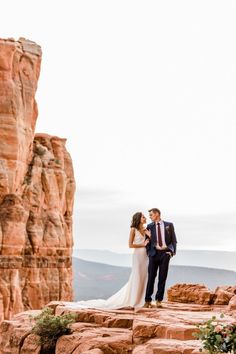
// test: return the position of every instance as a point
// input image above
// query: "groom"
(161, 247)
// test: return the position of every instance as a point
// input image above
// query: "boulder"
(190, 293)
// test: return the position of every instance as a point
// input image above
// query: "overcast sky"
(144, 91)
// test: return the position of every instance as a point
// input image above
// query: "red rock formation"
(223, 294)
(200, 294)
(150, 331)
(36, 191)
(19, 72)
(190, 293)
(232, 304)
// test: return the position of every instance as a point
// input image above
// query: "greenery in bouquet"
(217, 337)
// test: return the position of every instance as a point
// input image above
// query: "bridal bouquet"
(216, 337)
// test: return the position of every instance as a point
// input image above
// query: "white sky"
(145, 93)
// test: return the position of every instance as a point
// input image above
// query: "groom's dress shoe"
(149, 305)
(158, 304)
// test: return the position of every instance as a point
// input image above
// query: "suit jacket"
(170, 238)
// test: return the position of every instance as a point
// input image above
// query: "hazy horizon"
(102, 221)
(130, 250)
(197, 258)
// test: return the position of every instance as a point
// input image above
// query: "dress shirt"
(162, 226)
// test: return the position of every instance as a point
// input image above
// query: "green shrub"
(50, 327)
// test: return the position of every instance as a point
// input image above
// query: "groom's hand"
(169, 253)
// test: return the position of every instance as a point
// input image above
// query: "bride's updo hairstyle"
(136, 219)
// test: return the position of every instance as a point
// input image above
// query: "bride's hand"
(148, 233)
(146, 242)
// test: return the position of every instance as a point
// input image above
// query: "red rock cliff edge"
(36, 191)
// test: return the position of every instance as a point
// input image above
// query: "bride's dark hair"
(136, 219)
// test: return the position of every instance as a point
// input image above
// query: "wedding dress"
(133, 292)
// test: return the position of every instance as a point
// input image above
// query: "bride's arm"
(131, 240)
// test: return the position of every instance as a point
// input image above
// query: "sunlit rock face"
(200, 294)
(166, 330)
(19, 72)
(36, 191)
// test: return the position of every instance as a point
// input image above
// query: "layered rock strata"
(36, 191)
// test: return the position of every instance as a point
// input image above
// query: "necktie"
(159, 235)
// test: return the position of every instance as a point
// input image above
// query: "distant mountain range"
(96, 280)
(197, 258)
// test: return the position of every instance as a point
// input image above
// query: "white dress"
(133, 292)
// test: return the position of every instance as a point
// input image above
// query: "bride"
(132, 294)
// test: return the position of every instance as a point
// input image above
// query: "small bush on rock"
(50, 327)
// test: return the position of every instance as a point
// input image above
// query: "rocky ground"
(158, 331)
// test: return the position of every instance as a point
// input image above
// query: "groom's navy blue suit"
(159, 259)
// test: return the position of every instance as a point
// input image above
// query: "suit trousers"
(159, 260)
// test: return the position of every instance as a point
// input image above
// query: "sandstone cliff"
(36, 191)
